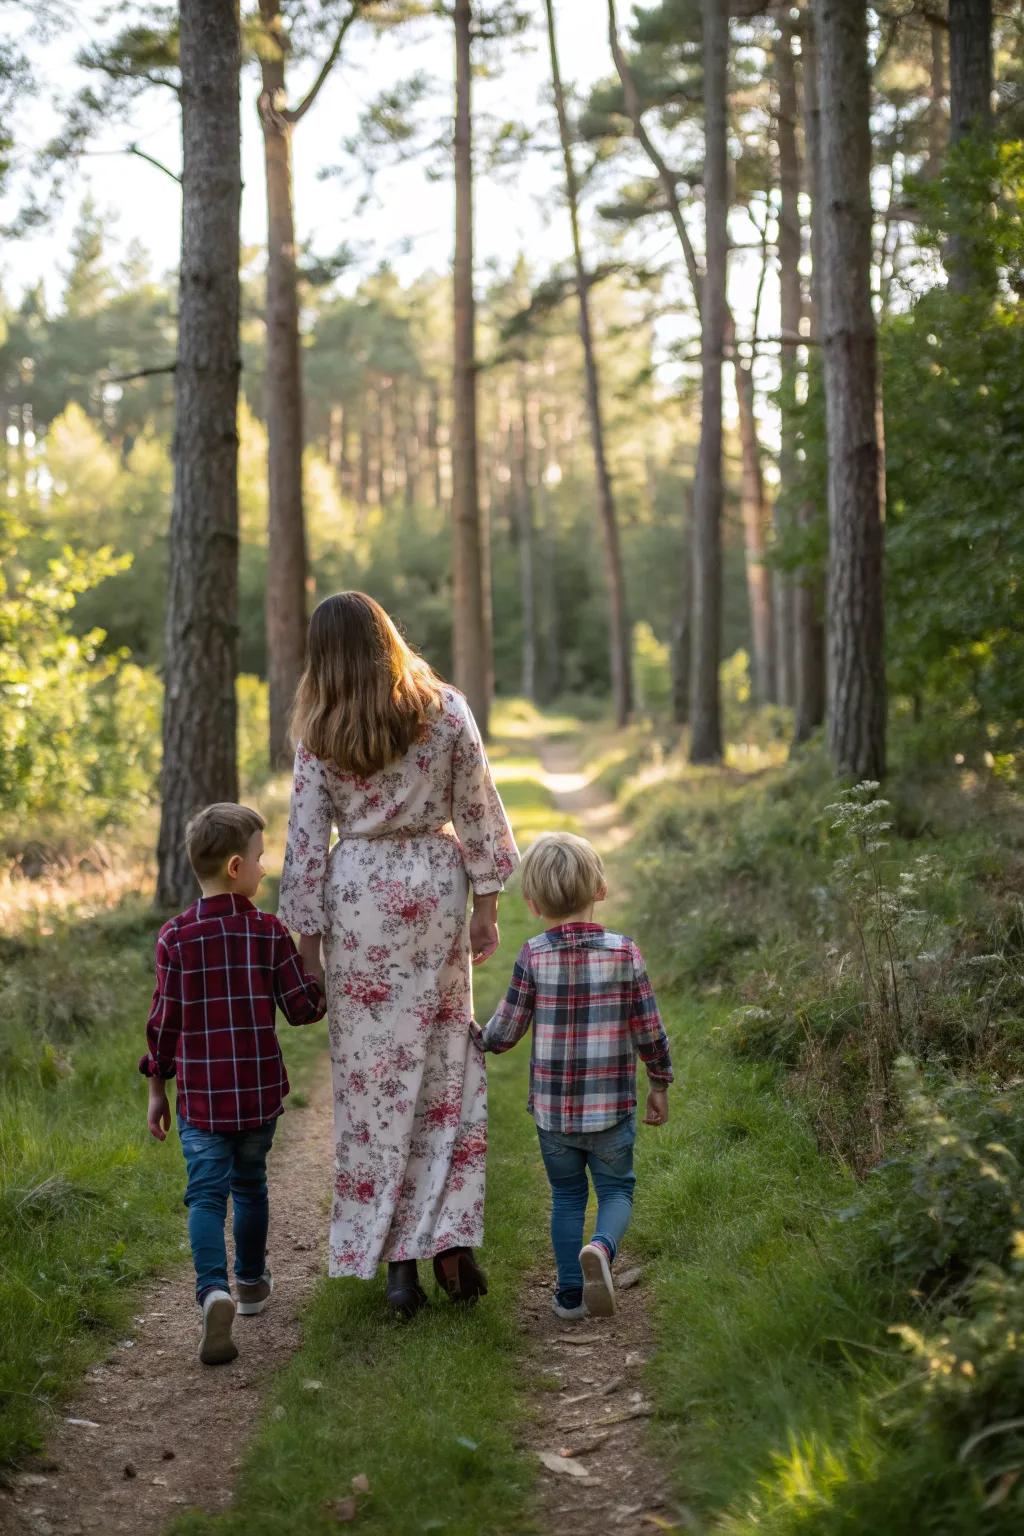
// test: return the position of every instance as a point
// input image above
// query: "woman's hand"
(483, 928)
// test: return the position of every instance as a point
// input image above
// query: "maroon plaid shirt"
(222, 969)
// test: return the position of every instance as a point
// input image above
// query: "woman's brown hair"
(365, 695)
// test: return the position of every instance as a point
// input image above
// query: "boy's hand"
(476, 1034)
(159, 1116)
(657, 1107)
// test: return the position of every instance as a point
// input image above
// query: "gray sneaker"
(567, 1314)
(216, 1346)
(253, 1295)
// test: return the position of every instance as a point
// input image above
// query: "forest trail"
(589, 1418)
(152, 1433)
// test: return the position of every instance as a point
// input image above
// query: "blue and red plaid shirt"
(586, 992)
(222, 969)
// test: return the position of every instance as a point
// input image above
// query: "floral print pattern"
(390, 899)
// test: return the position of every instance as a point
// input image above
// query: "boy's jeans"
(609, 1156)
(218, 1164)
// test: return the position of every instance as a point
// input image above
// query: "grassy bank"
(833, 1211)
(89, 1204)
(427, 1412)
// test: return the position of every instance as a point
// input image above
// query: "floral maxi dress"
(390, 898)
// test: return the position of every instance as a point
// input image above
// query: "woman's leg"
(566, 1168)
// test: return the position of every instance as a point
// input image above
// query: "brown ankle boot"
(459, 1275)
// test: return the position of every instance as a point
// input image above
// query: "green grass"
(428, 1412)
(785, 1404)
(90, 1205)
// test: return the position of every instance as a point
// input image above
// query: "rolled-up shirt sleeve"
(163, 1027)
(301, 900)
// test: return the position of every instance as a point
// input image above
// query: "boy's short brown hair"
(561, 874)
(215, 834)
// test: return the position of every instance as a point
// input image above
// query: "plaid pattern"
(222, 968)
(586, 991)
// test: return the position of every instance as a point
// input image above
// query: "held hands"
(657, 1107)
(158, 1117)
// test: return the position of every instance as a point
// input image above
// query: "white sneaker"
(598, 1290)
(216, 1346)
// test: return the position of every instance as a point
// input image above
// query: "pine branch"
(296, 114)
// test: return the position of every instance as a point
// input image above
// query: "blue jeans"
(609, 1156)
(220, 1164)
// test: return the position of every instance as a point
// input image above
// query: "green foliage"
(77, 728)
(954, 399)
(954, 1197)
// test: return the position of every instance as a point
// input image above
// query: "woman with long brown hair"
(391, 756)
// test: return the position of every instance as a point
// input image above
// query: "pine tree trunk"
(524, 507)
(681, 647)
(755, 523)
(705, 704)
(937, 129)
(472, 596)
(790, 315)
(809, 600)
(199, 720)
(619, 628)
(547, 586)
(286, 543)
(970, 112)
(856, 657)
(970, 68)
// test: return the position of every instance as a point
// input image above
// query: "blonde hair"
(365, 695)
(561, 874)
(217, 833)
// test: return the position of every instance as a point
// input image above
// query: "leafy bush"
(954, 1199)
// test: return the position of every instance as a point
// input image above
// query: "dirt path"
(152, 1433)
(590, 1415)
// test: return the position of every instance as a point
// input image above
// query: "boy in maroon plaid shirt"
(223, 968)
(585, 991)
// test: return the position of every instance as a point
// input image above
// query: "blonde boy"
(585, 990)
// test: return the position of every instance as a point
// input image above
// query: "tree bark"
(286, 542)
(524, 511)
(681, 648)
(970, 112)
(705, 705)
(199, 718)
(937, 130)
(809, 599)
(755, 520)
(472, 595)
(856, 657)
(790, 315)
(970, 68)
(619, 629)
